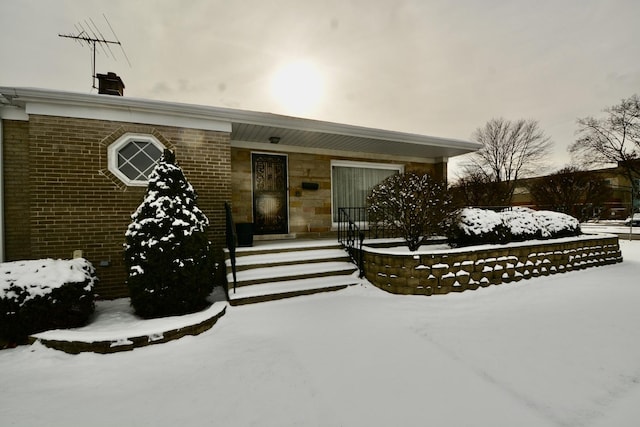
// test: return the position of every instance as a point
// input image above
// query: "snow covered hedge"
(473, 226)
(44, 294)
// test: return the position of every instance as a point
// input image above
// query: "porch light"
(274, 139)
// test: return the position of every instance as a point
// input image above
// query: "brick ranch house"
(74, 167)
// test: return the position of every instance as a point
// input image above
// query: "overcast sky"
(436, 67)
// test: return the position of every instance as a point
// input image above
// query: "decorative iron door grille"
(270, 207)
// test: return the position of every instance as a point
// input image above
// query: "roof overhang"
(245, 127)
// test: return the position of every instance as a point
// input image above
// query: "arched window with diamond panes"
(132, 158)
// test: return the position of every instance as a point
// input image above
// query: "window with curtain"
(352, 182)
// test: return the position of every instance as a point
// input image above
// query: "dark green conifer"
(167, 252)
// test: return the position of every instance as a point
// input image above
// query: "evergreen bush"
(167, 252)
(557, 224)
(473, 226)
(521, 225)
(39, 295)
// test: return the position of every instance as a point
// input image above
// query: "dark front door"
(270, 213)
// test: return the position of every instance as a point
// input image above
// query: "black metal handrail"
(232, 241)
(351, 222)
(362, 220)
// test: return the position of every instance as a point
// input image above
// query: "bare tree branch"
(614, 138)
(510, 150)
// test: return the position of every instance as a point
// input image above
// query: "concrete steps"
(278, 270)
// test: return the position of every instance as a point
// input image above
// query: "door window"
(270, 204)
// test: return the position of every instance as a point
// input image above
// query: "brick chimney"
(110, 84)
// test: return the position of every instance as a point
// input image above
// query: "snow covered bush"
(556, 224)
(415, 206)
(473, 226)
(521, 224)
(167, 252)
(44, 294)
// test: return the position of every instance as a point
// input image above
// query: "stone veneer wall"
(468, 268)
(309, 210)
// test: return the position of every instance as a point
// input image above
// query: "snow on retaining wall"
(440, 272)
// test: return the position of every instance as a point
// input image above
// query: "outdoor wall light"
(274, 139)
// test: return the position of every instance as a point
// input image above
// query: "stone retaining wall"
(126, 344)
(461, 269)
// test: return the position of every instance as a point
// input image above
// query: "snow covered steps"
(278, 270)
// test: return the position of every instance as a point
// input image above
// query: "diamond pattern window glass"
(137, 159)
(133, 157)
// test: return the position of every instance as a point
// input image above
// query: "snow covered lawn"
(561, 350)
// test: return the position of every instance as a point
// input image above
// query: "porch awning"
(308, 134)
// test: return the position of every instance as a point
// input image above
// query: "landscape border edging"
(131, 343)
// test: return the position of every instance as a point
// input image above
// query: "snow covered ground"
(561, 350)
(622, 230)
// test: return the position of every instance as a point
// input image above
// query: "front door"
(270, 207)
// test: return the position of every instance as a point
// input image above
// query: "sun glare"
(298, 87)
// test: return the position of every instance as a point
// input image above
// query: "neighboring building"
(618, 206)
(74, 167)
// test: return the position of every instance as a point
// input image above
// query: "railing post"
(231, 241)
(351, 235)
(361, 256)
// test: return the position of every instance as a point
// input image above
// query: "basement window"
(132, 158)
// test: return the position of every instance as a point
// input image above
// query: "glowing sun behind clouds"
(298, 86)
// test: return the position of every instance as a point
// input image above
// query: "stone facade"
(309, 210)
(467, 269)
(60, 196)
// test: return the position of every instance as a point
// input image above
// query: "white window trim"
(114, 148)
(355, 164)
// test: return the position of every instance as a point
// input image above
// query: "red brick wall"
(75, 203)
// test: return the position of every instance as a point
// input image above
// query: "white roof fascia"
(130, 115)
(126, 109)
(107, 107)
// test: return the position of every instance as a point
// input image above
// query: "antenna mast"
(91, 35)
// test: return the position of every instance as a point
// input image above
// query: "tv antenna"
(90, 35)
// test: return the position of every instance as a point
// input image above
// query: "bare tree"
(475, 189)
(614, 138)
(576, 192)
(510, 150)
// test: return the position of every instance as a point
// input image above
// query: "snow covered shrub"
(556, 224)
(167, 252)
(521, 224)
(44, 294)
(473, 226)
(415, 206)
